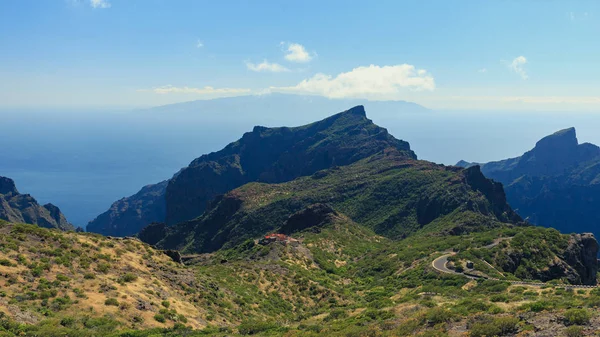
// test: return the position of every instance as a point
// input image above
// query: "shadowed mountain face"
(556, 184)
(269, 155)
(23, 208)
(128, 215)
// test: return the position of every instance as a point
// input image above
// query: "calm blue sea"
(82, 161)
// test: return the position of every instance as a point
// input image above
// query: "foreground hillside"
(336, 278)
(556, 184)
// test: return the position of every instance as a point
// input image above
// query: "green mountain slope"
(391, 194)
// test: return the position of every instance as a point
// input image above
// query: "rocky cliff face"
(266, 155)
(129, 215)
(556, 184)
(582, 256)
(23, 208)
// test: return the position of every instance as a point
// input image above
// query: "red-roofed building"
(276, 237)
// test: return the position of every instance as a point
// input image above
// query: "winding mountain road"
(440, 263)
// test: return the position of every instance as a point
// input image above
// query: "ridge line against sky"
(442, 55)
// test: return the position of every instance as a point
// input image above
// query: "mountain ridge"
(264, 154)
(555, 184)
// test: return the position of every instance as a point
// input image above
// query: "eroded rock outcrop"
(23, 208)
(582, 255)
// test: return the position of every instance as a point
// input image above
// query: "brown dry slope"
(51, 274)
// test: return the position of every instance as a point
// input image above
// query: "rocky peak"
(563, 140)
(7, 186)
(554, 155)
(16, 207)
(358, 110)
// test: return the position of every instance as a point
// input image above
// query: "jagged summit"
(7, 186)
(358, 110)
(561, 140)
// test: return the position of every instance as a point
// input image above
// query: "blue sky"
(519, 55)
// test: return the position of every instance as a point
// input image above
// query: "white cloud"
(372, 82)
(207, 90)
(297, 53)
(517, 66)
(482, 70)
(199, 44)
(266, 66)
(100, 3)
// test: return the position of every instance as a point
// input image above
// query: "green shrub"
(6, 263)
(89, 276)
(574, 331)
(127, 278)
(336, 314)
(166, 304)
(181, 318)
(103, 267)
(111, 301)
(62, 278)
(60, 303)
(500, 326)
(254, 327)
(499, 298)
(439, 315)
(577, 316)
(67, 321)
(100, 324)
(539, 306)
(160, 318)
